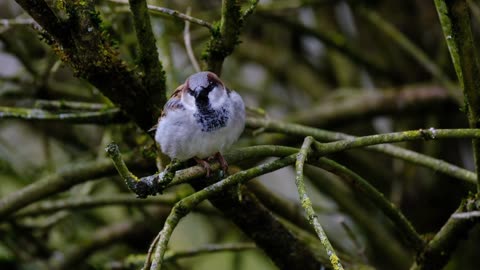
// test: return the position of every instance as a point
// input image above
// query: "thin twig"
(307, 204)
(188, 44)
(85, 202)
(108, 116)
(467, 215)
(172, 13)
(69, 105)
(251, 8)
(207, 249)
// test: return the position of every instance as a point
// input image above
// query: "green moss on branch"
(455, 20)
(437, 165)
(307, 204)
(154, 77)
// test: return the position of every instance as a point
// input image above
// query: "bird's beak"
(197, 92)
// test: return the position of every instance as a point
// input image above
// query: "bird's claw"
(204, 164)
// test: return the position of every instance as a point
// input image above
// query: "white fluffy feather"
(181, 137)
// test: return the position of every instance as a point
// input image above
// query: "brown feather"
(173, 102)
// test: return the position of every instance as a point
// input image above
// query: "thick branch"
(225, 38)
(82, 44)
(154, 77)
(44, 16)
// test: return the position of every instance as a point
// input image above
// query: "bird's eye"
(210, 86)
(191, 92)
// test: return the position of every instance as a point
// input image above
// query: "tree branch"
(323, 135)
(60, 181)
(82, 44)
(154, 78)
(172, 13)
(107, 116)
(455, 21)
(307, 203)
(225, 38)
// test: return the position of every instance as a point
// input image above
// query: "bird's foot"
(222, 161)
(204, 164)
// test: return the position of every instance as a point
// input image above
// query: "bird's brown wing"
(172, 104)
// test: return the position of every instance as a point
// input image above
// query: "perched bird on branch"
(201, 119)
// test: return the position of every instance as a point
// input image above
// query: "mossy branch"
(307, 203)
(437, 165)
(226, 36)
(455, 20)
(154, 77)
(82, 44)
(46, 18)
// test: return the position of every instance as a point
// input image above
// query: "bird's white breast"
(181, 137)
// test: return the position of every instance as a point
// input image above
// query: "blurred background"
(364, 68)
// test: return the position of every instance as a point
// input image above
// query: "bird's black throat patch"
(210, 119)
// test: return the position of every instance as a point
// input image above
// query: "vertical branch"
(307, 204)
(154, 78)
(225, 38)
(455, 21)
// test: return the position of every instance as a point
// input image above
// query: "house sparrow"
(201, 119)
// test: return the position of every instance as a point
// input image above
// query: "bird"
(201, 120)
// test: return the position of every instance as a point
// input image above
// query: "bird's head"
(203, 89)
